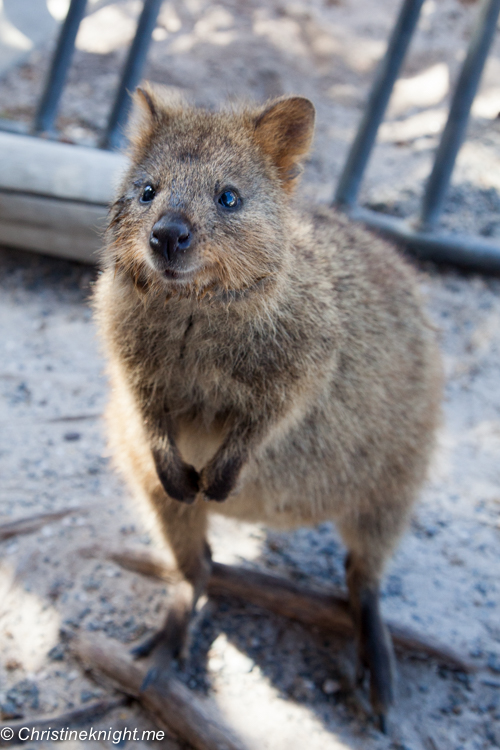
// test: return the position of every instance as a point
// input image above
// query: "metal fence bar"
(474, 253)
(45, 116)
(458, 116)
(131, 74)
(350, 180)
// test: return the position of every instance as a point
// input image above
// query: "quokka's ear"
(284, 131)
(152, 105)
(145, 99)
(144, 117)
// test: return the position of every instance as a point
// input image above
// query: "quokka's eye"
(148, 194)
(229, 199)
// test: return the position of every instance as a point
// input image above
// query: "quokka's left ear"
(153, 105)
(284, 131)
(145, 113)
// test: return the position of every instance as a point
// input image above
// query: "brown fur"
(289, 362)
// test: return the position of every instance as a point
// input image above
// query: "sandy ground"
(279, 685)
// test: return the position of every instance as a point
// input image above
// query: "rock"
(57, 653)
(12, 664)
(9, 710)
(24, 693)
(494, 663)
(330, 687)
(72, 436)
(303, 689)
(393, 586)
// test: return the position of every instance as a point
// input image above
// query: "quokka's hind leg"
(374, 645)
(184, 527)
(370, 538)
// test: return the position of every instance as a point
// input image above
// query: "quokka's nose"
(170, 235)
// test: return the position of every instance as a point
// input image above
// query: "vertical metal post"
(131, 73)
(350, 180)
(45, 116)
(458, 116)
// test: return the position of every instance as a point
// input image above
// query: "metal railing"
(131, 75)
(422, 234)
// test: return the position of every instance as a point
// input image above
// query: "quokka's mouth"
(179, 274)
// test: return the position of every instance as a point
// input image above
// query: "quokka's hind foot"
(376, 656)
(375, 651)
(184, 526)
(170, 642)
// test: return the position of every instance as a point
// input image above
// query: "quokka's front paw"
(180, 481)
(218, 481)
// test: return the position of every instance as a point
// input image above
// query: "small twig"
(34, 523)
(328, 611)
(490, 682)
(313, 608)
(70, 720)
(73, 418)
(169, 702)
(147, 562)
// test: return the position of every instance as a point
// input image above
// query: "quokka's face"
(204, 204)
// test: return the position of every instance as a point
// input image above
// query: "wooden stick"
(170, 703)
(34, 523)
(314, 608)
(69, 720)
(328, 611)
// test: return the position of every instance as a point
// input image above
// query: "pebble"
(393, 586)
(9, 710)
(57, 652)
(24, 693)
(72, 436)
(303, 689)
(494, 663)
(88, 695)
(330, 687)
(12, 664)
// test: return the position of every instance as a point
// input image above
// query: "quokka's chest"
(210, 355)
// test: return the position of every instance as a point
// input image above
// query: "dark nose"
(170, 235)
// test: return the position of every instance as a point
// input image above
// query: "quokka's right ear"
(284, 131)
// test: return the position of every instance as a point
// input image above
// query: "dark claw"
(375, 652)
(224, 481)
(153, 675)
(180, 481)
(360, 673)
(382, 722)
(148, 645)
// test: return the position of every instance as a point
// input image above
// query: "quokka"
(267, 362)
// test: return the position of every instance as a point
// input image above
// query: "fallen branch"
(70, 720)
(33, 523)
(170, 703)
(328, 611)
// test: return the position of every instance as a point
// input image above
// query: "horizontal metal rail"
(474, 253)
